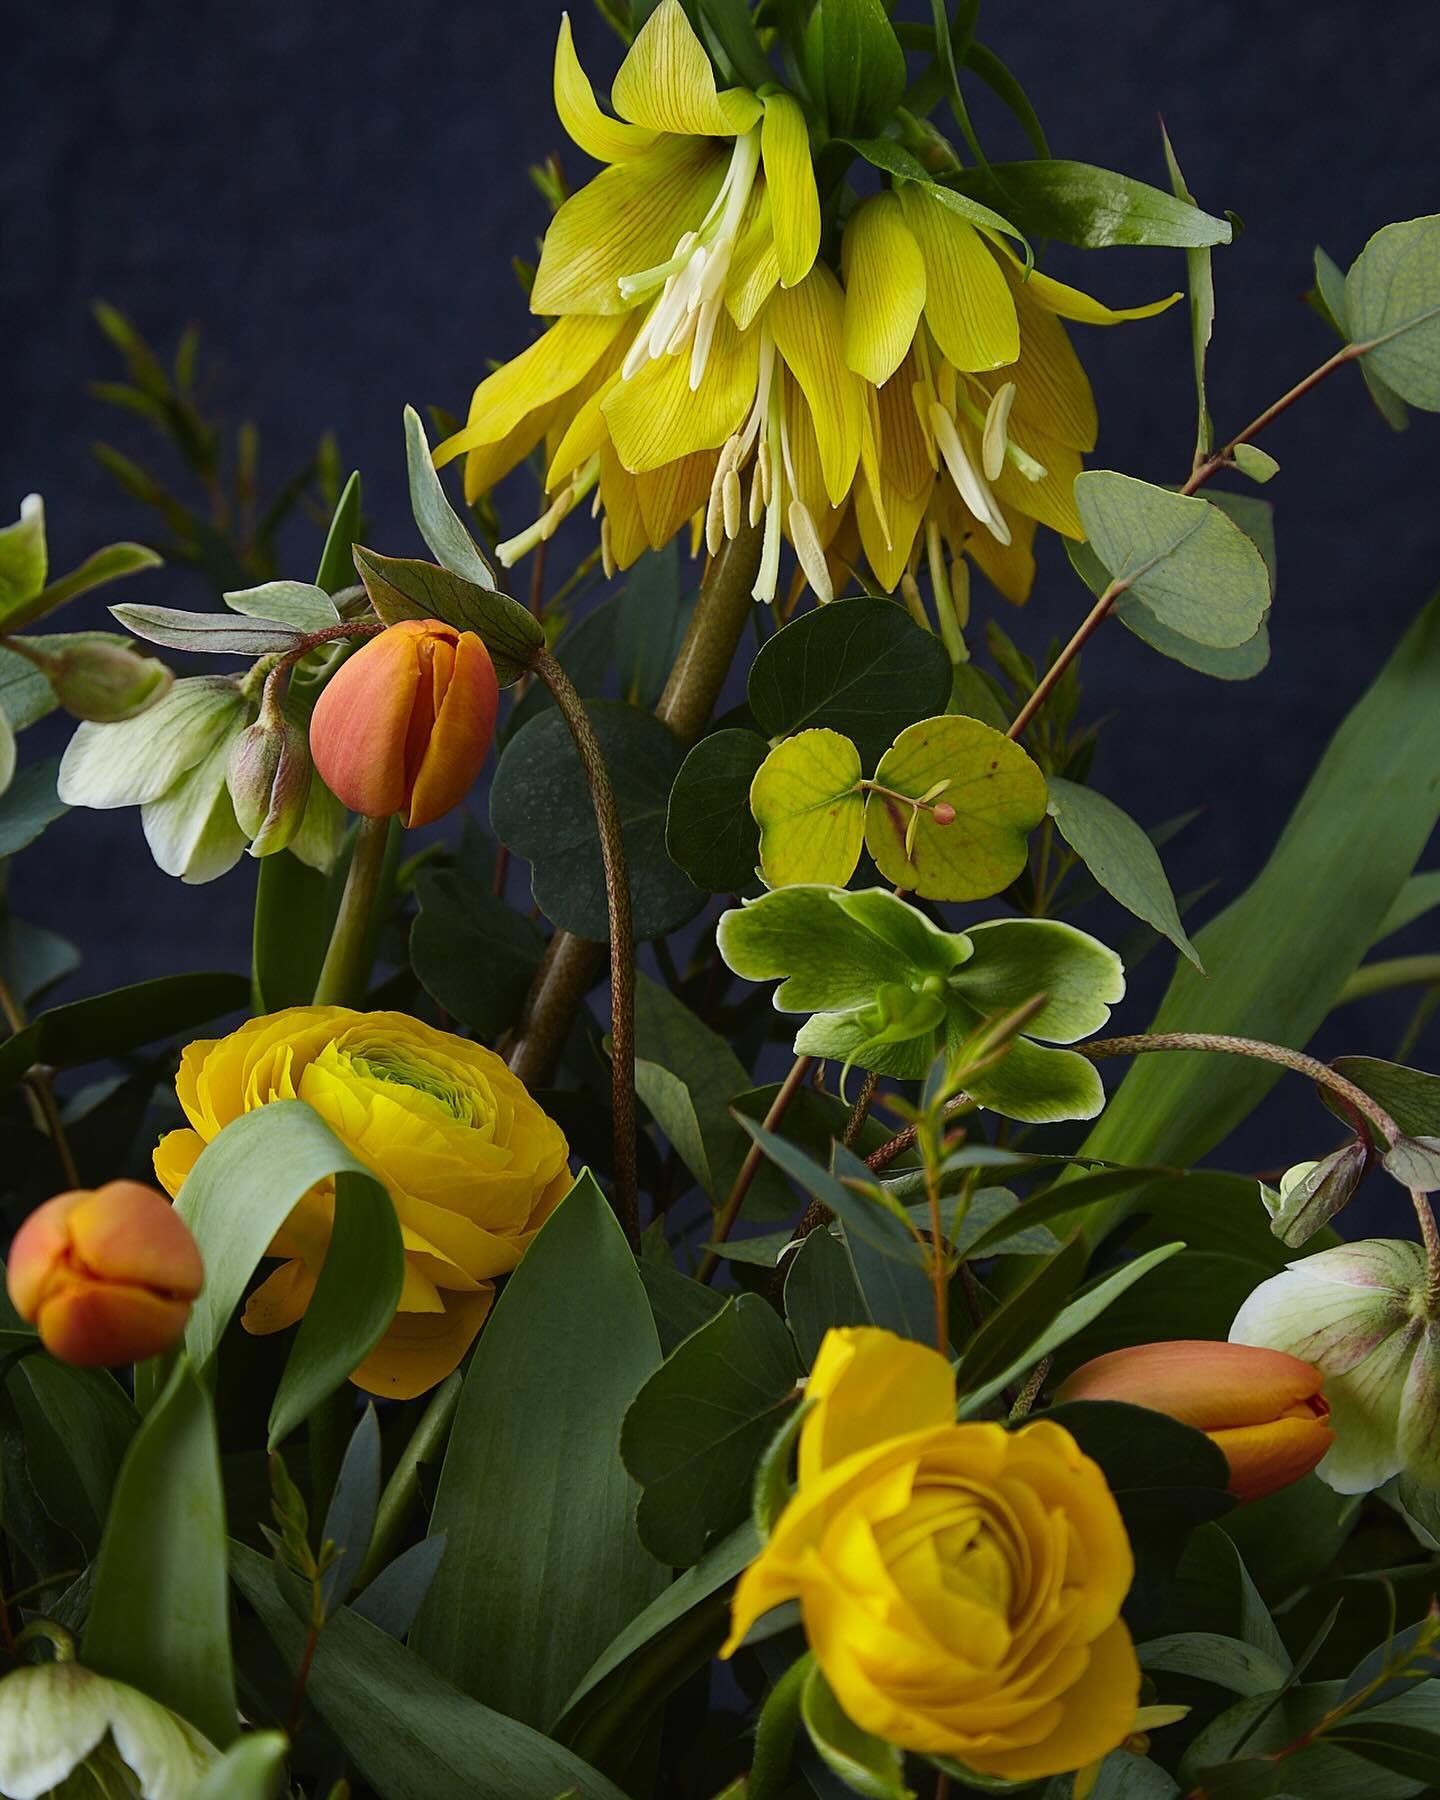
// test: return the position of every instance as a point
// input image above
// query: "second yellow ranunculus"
(960, 1584)
(473, 1165)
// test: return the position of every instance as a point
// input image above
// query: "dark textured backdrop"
(335, 193)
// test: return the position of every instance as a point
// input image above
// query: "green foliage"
(710, 831)
(1094, 208)
(1392, 309)
(402, 588)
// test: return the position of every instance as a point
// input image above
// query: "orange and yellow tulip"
(1262, 1408)
(405, 725)
(106, 1274)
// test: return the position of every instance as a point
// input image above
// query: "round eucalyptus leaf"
(540, 808)
(710, 831)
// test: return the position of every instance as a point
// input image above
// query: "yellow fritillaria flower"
(981, 410)
(654, 273)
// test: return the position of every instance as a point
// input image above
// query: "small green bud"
(269, 776)
(106, 682)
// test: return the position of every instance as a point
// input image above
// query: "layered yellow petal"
(884, 288)
(968, 305)
(1071, 303)
(1051, 500)
(755, 267)
(669, 496)
(489, 463)
(607, 140)
(667, 84)
(653, 418)
(628, 219)
(790, 182)
(421, 1348)
(868, 1386)
(556, 362)
(808, 323)
(1053, 391)
(626, 536)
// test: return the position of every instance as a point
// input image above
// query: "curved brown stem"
(622, 936)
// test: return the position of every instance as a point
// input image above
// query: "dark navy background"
(335, 195)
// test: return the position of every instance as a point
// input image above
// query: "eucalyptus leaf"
(1392, 309)
(214, 634)
(395, 1596)
(540, 807)
(1120, 857)
(710, 831)
(444, 534)
(300, 604)
(861, 667)
(1201, 282)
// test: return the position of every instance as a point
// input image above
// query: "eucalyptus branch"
(779, 1106)
(1321, 1073)
(571, 965)
(622, 937)
(1216, 461)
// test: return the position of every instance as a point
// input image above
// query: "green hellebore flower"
(889, 991)
(1359, 1313)
(68, 1732)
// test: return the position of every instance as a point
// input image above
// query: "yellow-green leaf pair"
(946, 815)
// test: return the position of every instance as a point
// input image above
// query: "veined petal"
(607, 140)
(755, 268)
(967, 301)
(655, 418)
(1051, 500)
(489, 463)
(666, 82)
(888, 541)
(790, 182)
(1071, 303)
(551, 366)
(585, 434)
(808, 323)
(884, 288)
(904, 452)
(628, 219)
(668, 497)
(1053, 391)
(625, 534)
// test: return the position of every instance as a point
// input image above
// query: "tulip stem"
(1320, 1073)
(344, 973)
(1430, 1237)
(622, 937)
(402, 1490)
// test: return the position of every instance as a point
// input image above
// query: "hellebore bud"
(1263, 1409)
(1312, 1193)
(104, 681)
(268, 775)
(1362, 1313)
(106, 1275)
(405, 724)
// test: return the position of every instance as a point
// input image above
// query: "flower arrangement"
(696, 1322)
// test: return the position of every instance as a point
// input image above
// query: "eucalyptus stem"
(1202, 472)
(572, 964)
(779, 1106)
(402, 1491)
(343, 974)
(622, 938)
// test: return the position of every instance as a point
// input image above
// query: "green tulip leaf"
(1181, 557)
(994, 793)
(710, 831)
(807, 801)
(1120, 857)
(1392, 309)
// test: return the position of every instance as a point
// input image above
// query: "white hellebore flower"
(171, 761)
(1361, 1314)
(57, 1719)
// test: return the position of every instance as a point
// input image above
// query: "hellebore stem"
(1430, 1237)
(622, 938)
(1320, 1073)
(401, 1494)
(344, 973)
(572, 964)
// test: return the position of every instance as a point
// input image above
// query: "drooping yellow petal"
(1071, 303)
(628, 219)
(550, 367)
(755, 267)
(968, 305)
(579, 425)
(888, 541)
(1053, 392)
(808, 323)
(653, 418)
(489, 463)
(669, 496)
(625, 533)
(1009, 567)
(884, 288)
(667, 84)
(889, 511)
(1051, 500)
(607, 140)
(790, 182)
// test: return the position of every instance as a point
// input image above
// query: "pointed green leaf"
(1120, 857)
(444, 534)
(1081, 204)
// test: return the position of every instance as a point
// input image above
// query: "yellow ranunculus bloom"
(960, 1584)
(472, 1163)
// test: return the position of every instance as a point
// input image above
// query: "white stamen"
(731, 498)
(993, 439)
(564, 503)
(965, 475)
(808, 550)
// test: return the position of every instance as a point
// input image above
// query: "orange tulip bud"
(105, 1274)
(405, 725)
(1263, 1408)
